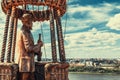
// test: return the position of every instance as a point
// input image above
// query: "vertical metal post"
(60, 37)
(10, 35)
(5, 35)
(53, 38)
(14, 38)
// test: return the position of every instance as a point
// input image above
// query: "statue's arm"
(31, 47)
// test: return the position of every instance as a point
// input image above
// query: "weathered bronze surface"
(53, 37)
(27, 48)
(51, 71)
(60, 37)
(8, 71)
(14, 39)
(5, 35)
(58, 4)
(28, 69)
(10, 37)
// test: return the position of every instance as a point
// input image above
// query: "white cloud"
(114, 22)
(81, 44)
(97, 14)
(92, 41)
(92, 37)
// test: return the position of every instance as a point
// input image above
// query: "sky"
(91, 29)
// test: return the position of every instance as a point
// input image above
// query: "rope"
(65, 24)
(53, 38)
(5, 35)
(10, 35)
(66, 20)
(14, 38)
(60, 37)
(43, 39)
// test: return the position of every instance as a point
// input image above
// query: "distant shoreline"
(92, 70)
(95, 73)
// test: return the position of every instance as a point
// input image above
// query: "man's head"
(27, 20)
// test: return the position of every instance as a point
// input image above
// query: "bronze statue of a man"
(27, 49)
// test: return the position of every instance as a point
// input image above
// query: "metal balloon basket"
(52, 11)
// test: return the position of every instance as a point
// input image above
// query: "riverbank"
(93, 73)
(89, 76)
(93, 70)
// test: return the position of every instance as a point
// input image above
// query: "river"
(79, 76)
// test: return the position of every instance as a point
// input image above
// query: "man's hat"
(26, 17)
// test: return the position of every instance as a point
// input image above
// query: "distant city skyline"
(92, 30)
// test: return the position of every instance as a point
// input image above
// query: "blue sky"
(92, 30)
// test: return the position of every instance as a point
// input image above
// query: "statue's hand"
(37, 47)
(40, 43)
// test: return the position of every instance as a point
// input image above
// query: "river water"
(79, 76)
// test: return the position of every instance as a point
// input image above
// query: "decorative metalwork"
(53, 37)
(14, 38)
(5, 35)
(60, 37)
(55, 9)
(10, 35)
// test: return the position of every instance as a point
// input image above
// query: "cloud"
(93, 41)
(89, 16)
(114, 22)
(92, 38)
(91, 2)
(98, 13)
(84, 36)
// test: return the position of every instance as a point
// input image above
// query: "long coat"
(26, 56)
